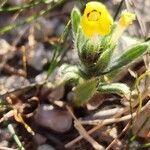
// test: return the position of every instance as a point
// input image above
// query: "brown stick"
(101, 125)
(84, 133)
(123, 131)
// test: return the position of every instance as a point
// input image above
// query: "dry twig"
(123, 131)
(83, 132)
(6, 148)
(108, 122)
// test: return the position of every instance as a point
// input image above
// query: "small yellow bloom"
(126, 18)
(96, 20)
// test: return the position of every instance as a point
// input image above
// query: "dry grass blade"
(123, 131)
(137, 84)
(6, 148)
(7, 115)
(108, 122)
(18, 117)
(84, 133)
(147, 61)
(30, 86)
(24, 60)
(12, 70)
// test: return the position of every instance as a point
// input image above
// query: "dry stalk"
(24, 59)
(83, 132)
(123, 131)
(7, 115)
(12, 70)
(6, 148)
(22, 88)
(107, 122)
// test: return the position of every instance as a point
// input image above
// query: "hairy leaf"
(75, 19)
(118, 88)
(83, 92)
(130, 55)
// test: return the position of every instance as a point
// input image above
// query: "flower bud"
(89, 50)
(125, 20)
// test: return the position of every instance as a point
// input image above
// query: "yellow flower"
(96, 20)
(126, 19)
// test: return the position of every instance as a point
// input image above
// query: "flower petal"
(96, 20)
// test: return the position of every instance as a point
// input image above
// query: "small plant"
(96, 36)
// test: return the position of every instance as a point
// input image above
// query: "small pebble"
(39, 139)
(49, 117)
(37, 56)
(45, 147)
(11, 83)
(4, 47)
(15, 82)
(57, 93)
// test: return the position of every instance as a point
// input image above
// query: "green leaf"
(75, 19)
(130, 55)
(79, 42)
(107, 48)
(104, 59)
(69, 73)
(83, 92)
(118, 88)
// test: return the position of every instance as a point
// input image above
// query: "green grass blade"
(59, 50)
